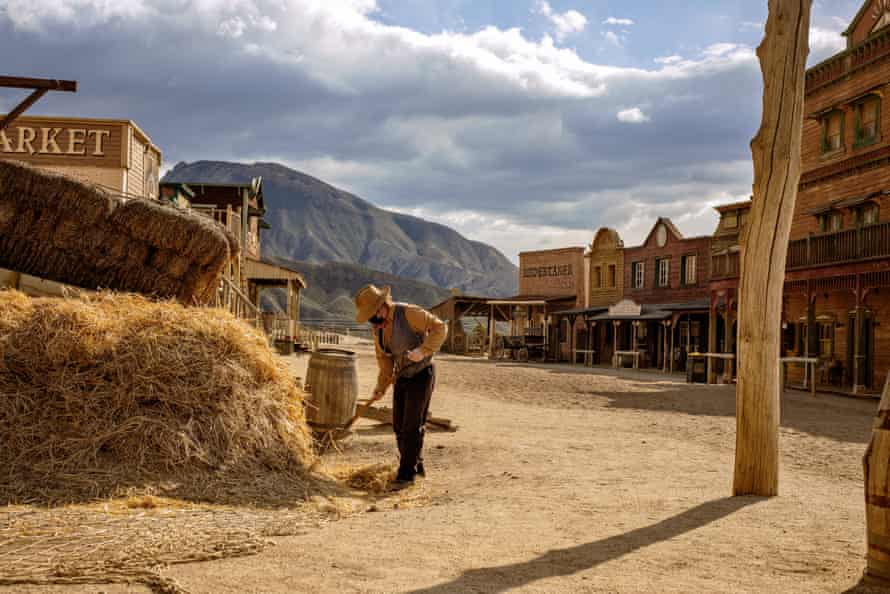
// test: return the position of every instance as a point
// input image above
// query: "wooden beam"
(22, 107)
(776, 154)
(19, 82)
(40, 85)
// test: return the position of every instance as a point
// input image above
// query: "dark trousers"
(411, 402)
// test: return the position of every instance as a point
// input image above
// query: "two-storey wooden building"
(664, 314)
(240, 208)
(837, 283)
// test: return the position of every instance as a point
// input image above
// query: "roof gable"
(672, 231)
(873, 15)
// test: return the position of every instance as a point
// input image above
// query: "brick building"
(666, 278)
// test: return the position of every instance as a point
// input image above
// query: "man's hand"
(375, 396)
(415, 355)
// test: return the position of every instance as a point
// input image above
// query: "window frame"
(825, 120)
(597, 277)
(666, 283)
(613, 276)
(684, 269)
(858, 139)
(638, 274)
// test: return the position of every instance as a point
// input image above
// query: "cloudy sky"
(523, 123)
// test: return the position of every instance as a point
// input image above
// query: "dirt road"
(565, 480)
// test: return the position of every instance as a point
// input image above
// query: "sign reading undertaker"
(551, 272)
(63, 142)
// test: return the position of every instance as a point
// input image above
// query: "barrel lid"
(341, 353)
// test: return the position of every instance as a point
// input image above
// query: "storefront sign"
(62, 142)
(626, 308)
(547, 271)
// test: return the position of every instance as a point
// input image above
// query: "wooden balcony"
(823, 249)
(840, 247)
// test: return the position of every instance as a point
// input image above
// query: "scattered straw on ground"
(113, 543)
(371, 478)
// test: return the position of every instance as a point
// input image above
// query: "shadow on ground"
(563, 562)
(827, 415)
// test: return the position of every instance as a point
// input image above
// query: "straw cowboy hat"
(368, 301)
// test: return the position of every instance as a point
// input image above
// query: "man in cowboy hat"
(405, 339)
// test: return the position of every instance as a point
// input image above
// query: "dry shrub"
(102, 394)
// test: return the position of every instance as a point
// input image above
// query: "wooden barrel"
(332, 384)
(876, 463)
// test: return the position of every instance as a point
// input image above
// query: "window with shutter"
(867, 119)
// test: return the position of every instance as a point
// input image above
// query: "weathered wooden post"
(877, 493)
(776, 154)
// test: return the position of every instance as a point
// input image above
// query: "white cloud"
(566, 23)
(633, 115)
(613, 21)
(750, 26)
(613, 38)
(522, 134)
(826, 41)
(669, 59)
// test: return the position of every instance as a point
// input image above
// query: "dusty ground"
(568, 480)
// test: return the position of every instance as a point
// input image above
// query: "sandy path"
(563, 480)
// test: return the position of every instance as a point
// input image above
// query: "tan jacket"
(421, 321)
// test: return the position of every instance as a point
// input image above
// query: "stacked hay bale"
(58, 228)
(103, 394)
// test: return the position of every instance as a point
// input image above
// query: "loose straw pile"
(103, 394)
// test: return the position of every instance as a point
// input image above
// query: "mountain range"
(341, 240)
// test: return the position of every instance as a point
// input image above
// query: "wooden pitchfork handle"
(363, 408)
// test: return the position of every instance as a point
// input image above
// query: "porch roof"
(271, 273)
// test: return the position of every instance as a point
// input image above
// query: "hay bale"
(105, 393)
(48, 221)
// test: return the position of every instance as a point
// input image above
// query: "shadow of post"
(562, 562)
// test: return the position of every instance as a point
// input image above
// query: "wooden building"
(724, 285)
(666, 276)
(114, 154)
(837, 282)
(240, 208)
(550, 281)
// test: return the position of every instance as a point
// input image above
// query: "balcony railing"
(840, 247)
(824, 249)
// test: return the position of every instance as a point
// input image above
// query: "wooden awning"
(260, 272)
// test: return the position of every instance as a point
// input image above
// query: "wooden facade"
(605, 265)
(240, 209)
(114, 154)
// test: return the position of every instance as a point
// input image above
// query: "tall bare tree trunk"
(776, 152)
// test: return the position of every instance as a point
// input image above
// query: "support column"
(616, 326)
(633, 342)
(858, 342)
(673, 338)
(492, 324)
(659, 344)
(712, 339)
(812, 346)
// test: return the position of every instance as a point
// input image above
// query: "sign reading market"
(64, 142)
